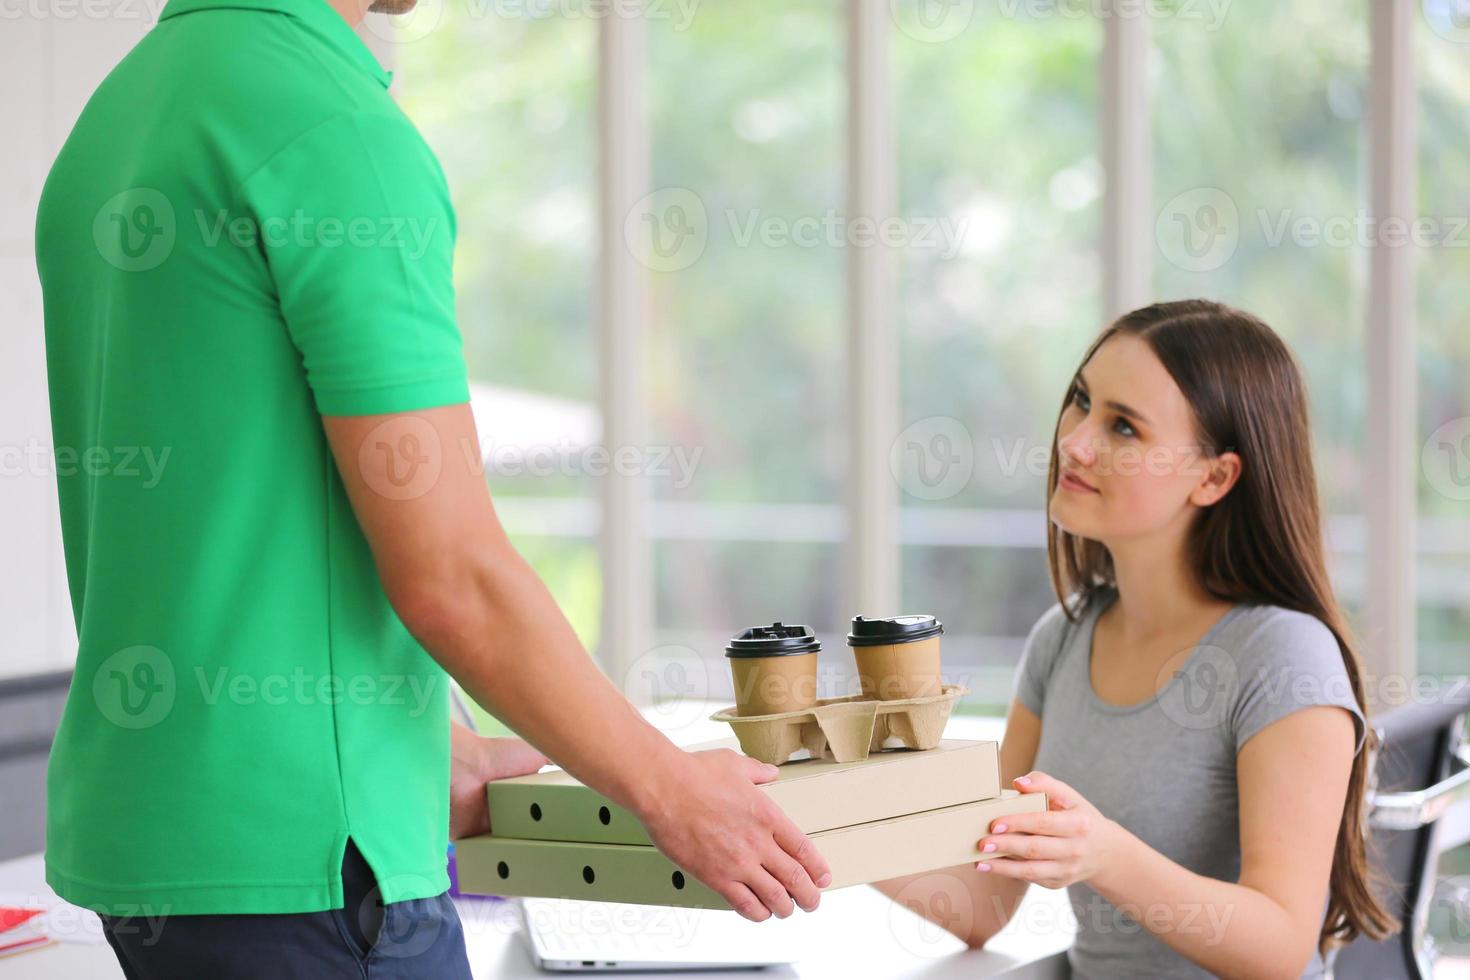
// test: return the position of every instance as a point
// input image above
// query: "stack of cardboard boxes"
(892, 813)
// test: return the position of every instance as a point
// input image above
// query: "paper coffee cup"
(774, 668)
(897, 657)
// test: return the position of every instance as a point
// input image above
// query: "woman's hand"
(1069, 842)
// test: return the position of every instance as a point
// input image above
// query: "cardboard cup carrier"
(898, 667)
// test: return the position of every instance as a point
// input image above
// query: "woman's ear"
(1220, 474)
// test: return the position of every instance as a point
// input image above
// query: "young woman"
(1193, 707)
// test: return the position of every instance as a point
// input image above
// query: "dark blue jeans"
(418, 939)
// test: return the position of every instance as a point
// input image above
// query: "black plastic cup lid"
(892, 629)
(776, 640)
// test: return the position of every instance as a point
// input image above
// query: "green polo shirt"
(243, 232)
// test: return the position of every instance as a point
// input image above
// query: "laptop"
(571, 936)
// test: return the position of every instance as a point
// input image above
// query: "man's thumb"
(760, 772)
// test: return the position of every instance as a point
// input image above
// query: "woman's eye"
(1125, 428)
(1080, 399)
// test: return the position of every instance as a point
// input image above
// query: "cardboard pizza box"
(817, 794)
(640, 874)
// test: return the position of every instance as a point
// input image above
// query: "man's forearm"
(515, 653)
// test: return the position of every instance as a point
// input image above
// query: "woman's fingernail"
(1024, 780)
(825, 880)
(999, 828)
(982, 866)
(988, 848)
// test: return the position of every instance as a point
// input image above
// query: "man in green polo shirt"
(245, 253)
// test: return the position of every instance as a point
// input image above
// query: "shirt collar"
(316, 15)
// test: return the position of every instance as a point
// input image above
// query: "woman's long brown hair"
(1262, 542)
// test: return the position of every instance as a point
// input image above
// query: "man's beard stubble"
(391, 6)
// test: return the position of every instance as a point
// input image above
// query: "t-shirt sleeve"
(1038, 656)
(356, 225)
(1288, 661)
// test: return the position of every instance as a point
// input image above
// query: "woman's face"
(1129, 456)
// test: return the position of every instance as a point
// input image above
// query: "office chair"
(1422, 768)
(30, 709)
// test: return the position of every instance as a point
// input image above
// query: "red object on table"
(20, 928)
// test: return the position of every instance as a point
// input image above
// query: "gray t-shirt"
(1165, 768)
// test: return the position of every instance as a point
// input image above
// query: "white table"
(856, 932)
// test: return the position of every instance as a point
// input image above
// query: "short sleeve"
(356, 225)
(1288, 661)
(1038, 656)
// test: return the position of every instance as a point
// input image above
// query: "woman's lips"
(1070, 482)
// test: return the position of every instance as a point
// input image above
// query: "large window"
(1260, 189)
(1259, 151)
(507, 101)
(999, 292)
(1444, 340)
(746, 317)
